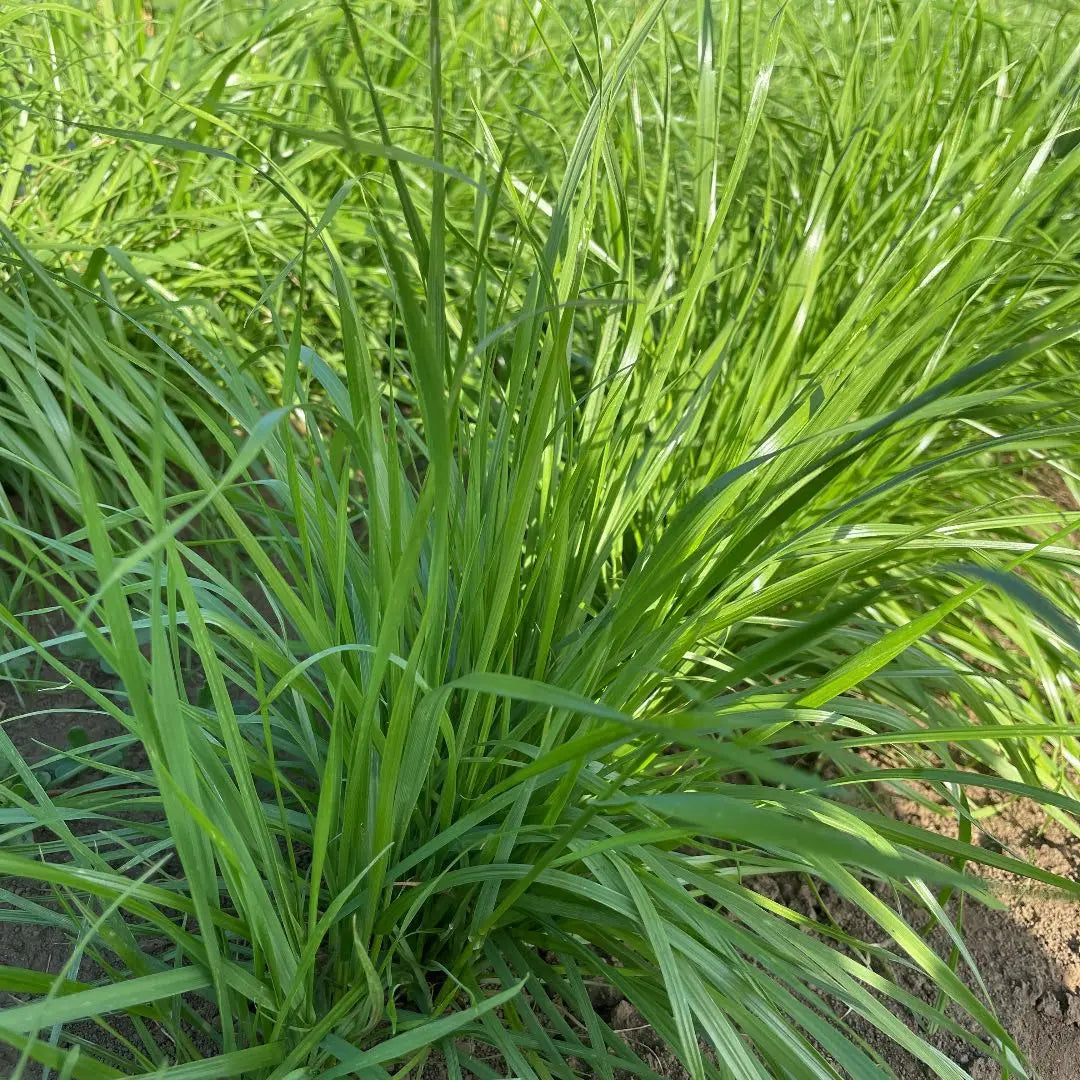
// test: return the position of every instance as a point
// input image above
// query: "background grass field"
(515, 480)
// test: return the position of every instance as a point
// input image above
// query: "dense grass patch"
(518, 479)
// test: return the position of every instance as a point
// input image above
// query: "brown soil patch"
(1050, 484)
(1029, 954)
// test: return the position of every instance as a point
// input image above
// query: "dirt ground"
(41, 948)
(1029, 955)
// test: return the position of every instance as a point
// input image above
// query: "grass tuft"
(515, 484)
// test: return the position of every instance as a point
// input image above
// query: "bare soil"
(1027, 954)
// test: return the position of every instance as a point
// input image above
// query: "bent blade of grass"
(424, 1034)
(103, 999)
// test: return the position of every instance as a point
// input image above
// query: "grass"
(594, 461)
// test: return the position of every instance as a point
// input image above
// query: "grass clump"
(537, 588)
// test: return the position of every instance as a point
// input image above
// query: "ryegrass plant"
(607, 539)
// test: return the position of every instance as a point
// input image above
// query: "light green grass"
(617, 534)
